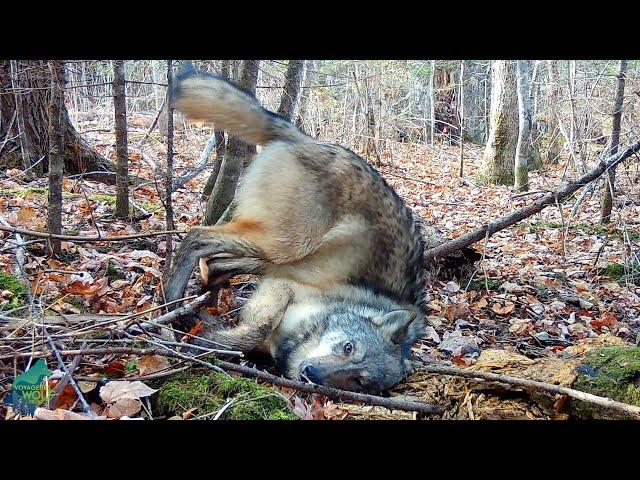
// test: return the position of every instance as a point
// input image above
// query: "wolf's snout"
(312, 373)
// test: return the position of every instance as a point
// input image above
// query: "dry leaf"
(152, 363)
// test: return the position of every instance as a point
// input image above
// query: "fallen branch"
(552, 198)
(75, 238)
(333, 393)
(535, 385)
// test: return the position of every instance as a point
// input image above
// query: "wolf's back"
(211, 98)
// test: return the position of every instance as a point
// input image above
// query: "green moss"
(150, 207)
(614, 271)
(23, 192)
(622, 273)
(29, 192)
(211, 391)
(109, 199)
(15, 286)
(481, 284)
(131, 367)
(611, 372)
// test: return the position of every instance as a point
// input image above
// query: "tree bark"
(609, 183)
(56, 153)
(551, 142)
(497, 162)
(309, 75)
(289, 98)
(221, 144)
(168, 203)
(523, 147)
(235, 157)
(120, 122)
(461, 117)
(32, 83)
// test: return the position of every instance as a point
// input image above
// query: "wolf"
(339, 302)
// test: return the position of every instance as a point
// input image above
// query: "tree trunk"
(551, 140)
(235, 157)
(56, 153)
(497, 162)
(461, 117)
(31, 82)
(609, 181)
(168, 203)
(432, 101)
(523, 147)
(292, 81)
(120, 122)
(309, 75)
(221, 144)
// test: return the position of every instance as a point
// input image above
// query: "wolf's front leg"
(259, 317)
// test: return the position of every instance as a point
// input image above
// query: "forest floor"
(543, 287)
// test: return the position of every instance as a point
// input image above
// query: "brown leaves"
(151, 364)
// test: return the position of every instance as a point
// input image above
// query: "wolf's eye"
(348, 348)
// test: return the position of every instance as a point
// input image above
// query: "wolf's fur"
(338, 249)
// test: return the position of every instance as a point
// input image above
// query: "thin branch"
(75, 238)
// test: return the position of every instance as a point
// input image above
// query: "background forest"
(531, 165)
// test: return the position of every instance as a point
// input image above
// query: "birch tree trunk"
(289, 98)
(56, 153)
(309, 75)
(609, 180)
(523, 147)
(120, 122)
(497, 161)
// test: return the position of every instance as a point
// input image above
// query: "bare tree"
(309, 76)
(497, 161)
(432, 100)
(234, 159)
(56, 153)
(609, 181)
(461, 117)
(292, 80)
(523, 147)
(120, 121)
(168, 202)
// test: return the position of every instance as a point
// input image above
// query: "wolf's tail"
(211, 98)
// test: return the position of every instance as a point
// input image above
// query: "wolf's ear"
(394, 325)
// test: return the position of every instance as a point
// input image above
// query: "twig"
(535, 385)
(75, 238)
(334, 393)
(558, 195)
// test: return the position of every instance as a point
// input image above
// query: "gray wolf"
(340, 299)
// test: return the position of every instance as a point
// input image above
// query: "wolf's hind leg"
(206, 242)
(259, 317)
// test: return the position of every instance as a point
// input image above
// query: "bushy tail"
(211, 98)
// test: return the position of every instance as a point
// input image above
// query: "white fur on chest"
(292, 321)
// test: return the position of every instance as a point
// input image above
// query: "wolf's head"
(356, 348)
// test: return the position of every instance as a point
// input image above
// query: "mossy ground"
(612, 372)
(11, 283)
(208, 392)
